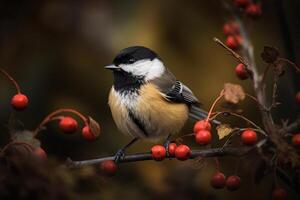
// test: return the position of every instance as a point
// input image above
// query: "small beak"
(112, 67)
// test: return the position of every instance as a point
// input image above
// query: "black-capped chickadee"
(146, 100)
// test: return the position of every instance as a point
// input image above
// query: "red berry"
(158, 152)
(218, 180)
(202, 125)
(239, 39)
(233, 183)
(254, 10)
(182, 152)
(231, 28)
(249, 137)
(296, 140)
(68, 125)
(39, 153)
(232, 42)
(19, 101)
(298, 97)
(108, 167)
(242, 3)
(87, 134)
(227, 29)
(279, 194)
(172, 149)
(203, 137)
(241, 71)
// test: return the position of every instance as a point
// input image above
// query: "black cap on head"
(132, 54)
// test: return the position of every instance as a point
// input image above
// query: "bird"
(146, 100)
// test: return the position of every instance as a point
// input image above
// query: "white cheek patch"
(150, 69)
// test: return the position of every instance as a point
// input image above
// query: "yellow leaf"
(223, 130)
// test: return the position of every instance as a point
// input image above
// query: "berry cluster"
(181, 152)
(248, 7)
(67, 124)
(232, 30)
(202, 131)
(219, 181)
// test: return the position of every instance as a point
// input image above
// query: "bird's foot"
(166, 145)
(119, 155)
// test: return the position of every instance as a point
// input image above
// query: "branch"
(214, 152)
(282, 146)
(296, 67)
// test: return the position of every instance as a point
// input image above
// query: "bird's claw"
(166, 145)
(119, 155)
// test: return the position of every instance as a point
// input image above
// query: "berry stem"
(296, 67)
(53, 116)
(213, 105)
(252, 97)
(12, 80)
(233, 133)
(241, 117)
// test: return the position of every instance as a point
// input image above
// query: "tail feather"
(198, 114)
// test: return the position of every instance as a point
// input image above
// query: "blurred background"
(57, 49)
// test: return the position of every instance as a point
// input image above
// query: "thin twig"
(12, 80)
(214, 104)
(233, 53)
(241, 117)
(53, 116)
(296, 67)
(252, 97)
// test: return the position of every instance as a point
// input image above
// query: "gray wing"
(175, 91)
(181, 94)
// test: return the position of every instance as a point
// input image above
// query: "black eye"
(131, 60)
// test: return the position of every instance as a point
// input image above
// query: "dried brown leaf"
(94, 126)
(269, 54)
(27, 137)
(233, 93)
(223, 130)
